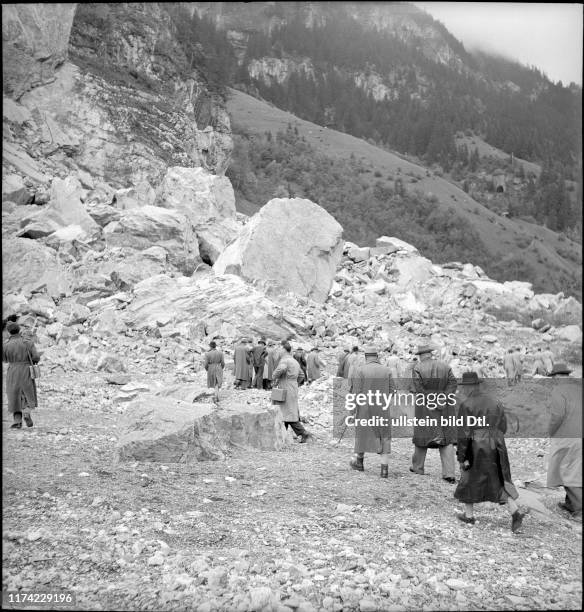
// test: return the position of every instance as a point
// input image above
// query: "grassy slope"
(500, 234)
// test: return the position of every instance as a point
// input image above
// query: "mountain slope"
(554, 260)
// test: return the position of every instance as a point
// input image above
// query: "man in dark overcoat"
(242, 360)
(259, 355)
(375, 437)
(431, 376)
(341, 364)
(482, 453)
(20, 353)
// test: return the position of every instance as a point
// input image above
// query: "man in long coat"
(300, 357)
(242, 360)
(509, 365)
(313, 365)
(285, 376)
(214, 363)
(430, 376)
(351, 364)
(518, 358)
(376, 436)
(21, 392)
(482, 453)
(548, 360)
(259, 355)
(565, 429)
(539, 365)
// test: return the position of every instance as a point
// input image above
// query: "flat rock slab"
(169, 430)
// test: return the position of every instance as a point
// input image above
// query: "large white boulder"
(166, 429)
(290, 245)
(28, 265)
(214, 302)
(208, 201)
(147, 226)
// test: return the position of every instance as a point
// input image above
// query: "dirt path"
(260, 531)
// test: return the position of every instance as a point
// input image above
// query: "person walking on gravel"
(431, 376)
(565, 429)
(285, 376)
(21, 392)
(214, 363)
(373, 434)
(482, 453)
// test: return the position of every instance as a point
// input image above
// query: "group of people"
(485, 473)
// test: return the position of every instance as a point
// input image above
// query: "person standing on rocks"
(372, 438)
(241, 359)
(548, 360)
(259, 355)
(21, 391)
(214, 363)
(565, 429)
(313, 365)
(518, 357)
(341, 364)
(509, 365)
(285, 376)
(482, 454)
(431, 376)
(539, 365)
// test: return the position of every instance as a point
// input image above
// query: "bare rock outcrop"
(29, 265)
(35, 39)
(290, 245)
(166, 429)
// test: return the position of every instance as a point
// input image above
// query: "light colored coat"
(313, 365)
(241, 358)
(509, 365)
(285, 376)
(565, 428)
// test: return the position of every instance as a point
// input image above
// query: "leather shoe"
(304, 438)
(449, 479)
(28, 421)
(357, 464)
(16, 426)
(466, 519)
(416, 471)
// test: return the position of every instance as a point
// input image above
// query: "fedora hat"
(470, 378)
(559, 368)
(425, 348)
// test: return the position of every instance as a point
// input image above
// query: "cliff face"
(35, 38)
(125, 105)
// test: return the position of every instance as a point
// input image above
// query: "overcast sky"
(545, 35)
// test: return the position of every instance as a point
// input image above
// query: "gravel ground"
(290, 530)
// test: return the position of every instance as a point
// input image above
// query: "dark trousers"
(296, 426)
(258, 376)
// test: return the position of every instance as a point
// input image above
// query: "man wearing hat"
(482, 453)
(374, 438)
(313, 365)
(20, 353)
(565, 429)
(431, 376)
(259, 355)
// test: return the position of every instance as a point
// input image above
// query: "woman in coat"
(21, 391)
(214, 363)
(285, 376)
(482, 454)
